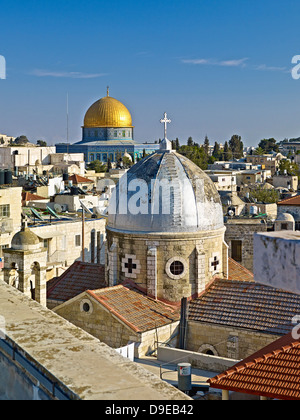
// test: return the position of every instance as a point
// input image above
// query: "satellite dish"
(231, 213)
(57, 208)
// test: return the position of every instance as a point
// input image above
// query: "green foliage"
(127, 163)
(269, 145)
(236, 146)
(263, 195)
(217, 154)
(227, 154)
(41, 143)
(259, 151)
(290, 168)
(190, 142)
(97, 166)
(22, 140)
(195, 154)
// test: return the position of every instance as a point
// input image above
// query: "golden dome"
(107, 112)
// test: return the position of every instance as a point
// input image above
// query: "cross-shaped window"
(215, 263)
(130, 266)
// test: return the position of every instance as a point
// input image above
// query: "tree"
(97, 166)
(289, 168)
(177, 144)
(217, 154)
(41, 143)
(206, 145)
(227, 154)
(259, 151)
(196, 154)
(190, 142)
(263, 195)
(269, 145)
(236, 146)
(109, 166)
(21, 140)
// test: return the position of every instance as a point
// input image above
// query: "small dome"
(25, 240)
(285, 217)
(165, 192)
(107, 112)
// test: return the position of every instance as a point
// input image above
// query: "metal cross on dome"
(165, 121)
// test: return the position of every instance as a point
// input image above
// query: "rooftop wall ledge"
(276, 260)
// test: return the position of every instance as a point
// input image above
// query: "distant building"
(107, 134)
(268, 161)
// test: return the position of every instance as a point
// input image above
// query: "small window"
(177, 268)
(77, 240)
(284, 226)
(236, 250)
(5, 210)
(86, 307)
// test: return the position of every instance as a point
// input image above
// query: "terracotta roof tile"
(292, 201)
(273, 371)
(138, 311)
(237, 272)
(77, 279)
(246, 305)
(77, 179)
(27, 196)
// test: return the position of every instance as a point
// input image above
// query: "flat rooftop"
(81, 365)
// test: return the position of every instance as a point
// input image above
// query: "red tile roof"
(77, 279)
(237, 272)
(77, 179)
(136, 310)
(293, 201)
(272, 372)
(246, 305)
(27, 196)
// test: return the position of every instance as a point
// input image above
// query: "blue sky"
(217, 67)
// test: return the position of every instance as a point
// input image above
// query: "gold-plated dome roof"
(107, 112)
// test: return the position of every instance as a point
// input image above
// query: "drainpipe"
(183, 324)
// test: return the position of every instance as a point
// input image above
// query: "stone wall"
(222, 341)
(68, 360)
(243, 230)
(62, 246)
(102, 324)
(98, 322)
(152, 255)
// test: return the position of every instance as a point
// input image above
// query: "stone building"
(10, 214)
(291, 206)
(239, 237)
(107, 134)
(26, 264)
(165, 228)
(119, 315)
(236, 318)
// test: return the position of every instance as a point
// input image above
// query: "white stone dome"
(165, 192)
(285, 217)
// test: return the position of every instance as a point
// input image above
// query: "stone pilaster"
(152, 272)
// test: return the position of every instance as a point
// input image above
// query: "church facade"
(107, 134)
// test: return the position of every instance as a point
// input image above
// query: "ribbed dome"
(165, 192)
(25, 240)
(108, 112)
